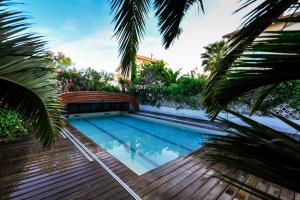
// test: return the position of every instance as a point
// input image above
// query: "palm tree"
(172, 76)
(254, 60)
(26, 80)
(213, 55)
(130, 17)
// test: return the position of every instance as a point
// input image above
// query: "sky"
(82, 30)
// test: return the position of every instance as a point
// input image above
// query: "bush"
(12, 126)
(185, 91)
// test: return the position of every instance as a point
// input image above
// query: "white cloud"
(100, 51)
(198, 31)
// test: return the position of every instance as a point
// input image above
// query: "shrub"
(185, 91)
(11, 125)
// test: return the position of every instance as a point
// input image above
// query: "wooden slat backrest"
(85, 96)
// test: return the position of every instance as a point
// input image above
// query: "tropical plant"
(213, 55)
(172, 76)
(152, 72)
(26, 81)
(12, 126)
(184, 92)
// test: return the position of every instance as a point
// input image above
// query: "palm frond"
(273, 58)
(258, 150)
(26, 81)
(129, 19)
(260, 54)
(170, 14)
(261, 95)
(213, 55)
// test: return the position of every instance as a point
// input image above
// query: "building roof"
(145, 58)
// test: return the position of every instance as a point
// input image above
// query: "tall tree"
(26, 81)
(213, 55)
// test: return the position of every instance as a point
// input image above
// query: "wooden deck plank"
(231, 191)
(195, 185)
(159, 191)
(151, 185)
(297, 196)
(185, 183)
(61, 172)
(287, 194)
(274, 190)
(44, 177)
(220, 188)
(244, 195)
(261, 185)
(210, 183)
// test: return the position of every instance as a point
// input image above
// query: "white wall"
(200, 114)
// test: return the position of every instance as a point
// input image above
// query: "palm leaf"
(129, 19)
(260, 54)
(258, 150)
(272, 59)
(170, 14)
(26, 81)
(261, 95)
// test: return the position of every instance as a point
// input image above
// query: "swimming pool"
(140, 143)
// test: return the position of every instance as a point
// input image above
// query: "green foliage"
(71, 79)
(171, 76)
(58, 61)
(152, 73)
(213, 55)
(86, 80)
(26, 81)
(12, 126)
(124, 83)
(184, 91)
(134, 75)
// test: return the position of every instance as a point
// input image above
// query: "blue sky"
(82, 29)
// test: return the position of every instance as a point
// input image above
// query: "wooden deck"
(29, 172)
(188, 177)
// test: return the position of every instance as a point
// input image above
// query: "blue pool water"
(141, 143)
